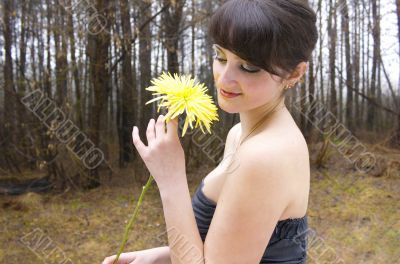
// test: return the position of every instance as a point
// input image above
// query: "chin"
(226, 107)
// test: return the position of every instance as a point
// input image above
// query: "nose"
(226, 78)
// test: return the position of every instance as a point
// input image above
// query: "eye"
(249, 68)
(216, 57)
(219, 59)
(244, 67)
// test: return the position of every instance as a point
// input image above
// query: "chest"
(215, 179)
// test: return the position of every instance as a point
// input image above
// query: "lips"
(229, 94)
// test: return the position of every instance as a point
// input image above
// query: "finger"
(172, 128)
(137, 261)
(160, 129)
(150, 132)
(123, 258)
(108, 260)
(141, 148)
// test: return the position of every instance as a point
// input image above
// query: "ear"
(297, 73)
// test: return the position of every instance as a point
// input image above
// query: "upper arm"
(249, 206)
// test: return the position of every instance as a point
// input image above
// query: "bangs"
(249, 30)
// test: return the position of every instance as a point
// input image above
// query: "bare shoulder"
(231, 139)
(282, 151)
(233, 132)
(284, 147)
(282, 156)
(281, 146)
(274, 157)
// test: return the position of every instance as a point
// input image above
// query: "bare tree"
(349, 67)
(128, 87)
(97, 51)
(371, 112)
(332, 31)
(397, 133)
(145, 51)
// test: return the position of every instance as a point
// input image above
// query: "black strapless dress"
(288, 243)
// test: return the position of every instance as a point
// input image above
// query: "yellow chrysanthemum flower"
(183, 94)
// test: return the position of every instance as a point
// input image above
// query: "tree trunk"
(145, 66)
(311, 94)
(128, 86)
(320, 62)
(349, 67)
(332, 57)
(371, 112)
(75, 70)
(396, 137)
(97, 50)
(9, 89)
(61, 56)
(172, 20)
(356, 61)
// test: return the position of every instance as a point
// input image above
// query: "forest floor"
(352, 216)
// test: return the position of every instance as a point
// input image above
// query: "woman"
(252, 207)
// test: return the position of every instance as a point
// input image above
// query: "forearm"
(185, 244)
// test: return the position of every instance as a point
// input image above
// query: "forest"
(72, 86)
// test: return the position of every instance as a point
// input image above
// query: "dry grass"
(353, 216)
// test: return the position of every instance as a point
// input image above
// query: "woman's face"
(251, 86)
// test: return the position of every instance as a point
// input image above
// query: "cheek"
(216, 70)
(262, 90)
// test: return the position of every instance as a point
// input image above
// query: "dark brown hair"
(275, 35)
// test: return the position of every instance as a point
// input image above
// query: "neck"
(251, 118)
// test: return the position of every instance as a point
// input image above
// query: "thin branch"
(135, 36)
(371, 100)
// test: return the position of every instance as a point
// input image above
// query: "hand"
(148, 256)
(164, 155)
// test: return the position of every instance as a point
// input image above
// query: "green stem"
(133, 217)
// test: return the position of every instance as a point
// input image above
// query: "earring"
(288, 86)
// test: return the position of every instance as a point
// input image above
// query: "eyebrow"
(219, 48)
